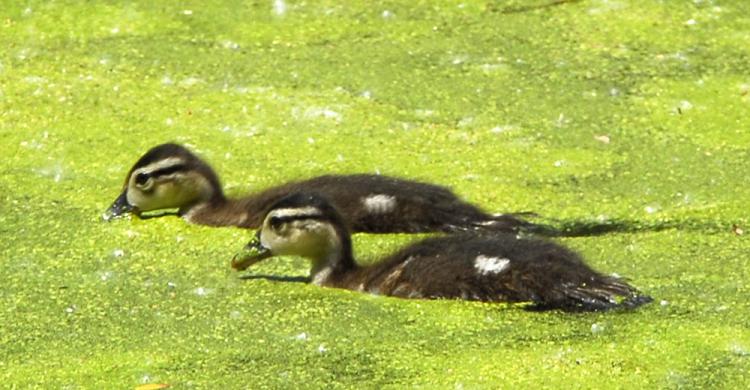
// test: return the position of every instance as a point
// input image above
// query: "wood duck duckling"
(493, 268)
(169, 176)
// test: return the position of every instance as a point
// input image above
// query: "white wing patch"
(379, 204)
(490, 265)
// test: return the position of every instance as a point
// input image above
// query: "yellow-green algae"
(627, 111)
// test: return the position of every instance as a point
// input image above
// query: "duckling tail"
(634, 301)
(514, 223)
(601, 294)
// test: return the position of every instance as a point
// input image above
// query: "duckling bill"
(491, 268)
(169, 176)
(118, 208)
(252, 253)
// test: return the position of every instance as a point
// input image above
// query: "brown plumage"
(170, 176)
(496, 267)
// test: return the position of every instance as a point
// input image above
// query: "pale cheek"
(133, 198)
(265, 241)
(300, 244)
(165, 196)
(280, 244)
(171, 195)
(138, 199)
(307, 247)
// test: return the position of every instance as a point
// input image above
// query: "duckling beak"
(252, 253)
(119, 207)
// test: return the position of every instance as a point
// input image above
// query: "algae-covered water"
(633, 113)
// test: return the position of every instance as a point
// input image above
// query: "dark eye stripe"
(278, 221)
(167, 170)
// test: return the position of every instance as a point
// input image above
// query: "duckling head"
(168, 176)
(304, 225)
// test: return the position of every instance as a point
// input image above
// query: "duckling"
(170, 176)
(498, 267)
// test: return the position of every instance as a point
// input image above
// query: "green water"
(624, 111)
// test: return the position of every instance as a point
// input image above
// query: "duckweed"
(624, 113)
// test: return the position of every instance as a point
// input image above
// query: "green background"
(630, 112)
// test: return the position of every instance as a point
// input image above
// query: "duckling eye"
(141, 178)
(275, 223)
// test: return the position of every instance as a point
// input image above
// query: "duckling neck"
(334, 267)
(223, 211)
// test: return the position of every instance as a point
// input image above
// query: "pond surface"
(623, 112)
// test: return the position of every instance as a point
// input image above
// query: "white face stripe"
(295, 212)
(490, 265)
(161, 164)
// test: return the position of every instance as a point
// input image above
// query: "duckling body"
(369, 203)
(170, 176)
(497, 267)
